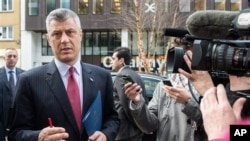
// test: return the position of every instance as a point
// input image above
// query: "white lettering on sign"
(134, 62)
(150, 7)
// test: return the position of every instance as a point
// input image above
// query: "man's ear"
(121, 60)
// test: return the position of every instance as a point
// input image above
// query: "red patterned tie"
(74, 96)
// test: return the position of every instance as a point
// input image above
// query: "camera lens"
(175, 60)
(222, 58)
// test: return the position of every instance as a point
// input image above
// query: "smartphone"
(167, 82)
(127, 79)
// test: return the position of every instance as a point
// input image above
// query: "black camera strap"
(192, 92)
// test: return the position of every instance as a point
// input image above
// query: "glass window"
(46, 49)
(184, 6)
(97, 6)
(88, 43)
(100, 43)
(167, 5)
(219, 4)
(235, 5)
(130, 7)
(104, 43)
(83, 6)
(65, 4)
(50, 5)
(33, 7)
(7, 33)
(115, 6)
(199, 5)
(6, 5)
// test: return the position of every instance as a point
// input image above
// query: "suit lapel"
(55, 82)
(4, 76)
(88, 88)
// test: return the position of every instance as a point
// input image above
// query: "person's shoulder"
(34, 71)
(20, 69)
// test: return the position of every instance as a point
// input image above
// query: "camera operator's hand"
(201, 80)
(217, 112)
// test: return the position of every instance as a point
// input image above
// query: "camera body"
(214, 55)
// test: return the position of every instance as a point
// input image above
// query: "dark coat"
(42, 94)
(128, 129)
(5, 100)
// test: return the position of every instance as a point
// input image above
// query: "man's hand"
(201, 80)
(53, 134)
(133, 92)
(178, 93)
(217, 112)
(98, 136)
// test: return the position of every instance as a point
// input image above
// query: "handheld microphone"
(212, 24)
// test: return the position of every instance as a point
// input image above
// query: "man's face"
(11, 58)
(116, 63)
(65, 39)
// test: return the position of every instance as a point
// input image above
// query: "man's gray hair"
(61, 15)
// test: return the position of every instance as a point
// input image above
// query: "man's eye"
(56, 34)
(71, 32)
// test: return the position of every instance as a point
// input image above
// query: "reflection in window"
(199, 5)
(7, 33)
(33, 7)
(50, 5)
(97, 6)
(6, 5)
(116, 6)
(235, 5)
(83, 6)
(184, 5)
(65, 4)
(219, 5)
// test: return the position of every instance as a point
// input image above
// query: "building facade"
(103, 23)
(10, 22)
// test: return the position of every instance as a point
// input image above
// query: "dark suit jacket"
(41, 94)
(5, 98)
(128, 129)
(2, 123)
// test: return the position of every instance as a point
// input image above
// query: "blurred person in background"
(121, 59)
(9, 75)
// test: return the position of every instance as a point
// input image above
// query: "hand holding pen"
(52, 133)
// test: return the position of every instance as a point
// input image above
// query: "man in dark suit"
(120, 62)
(8, 86)
(46, 91)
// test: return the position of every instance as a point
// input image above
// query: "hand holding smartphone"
(127, 79)
(167, 82)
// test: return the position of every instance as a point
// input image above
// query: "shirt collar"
(63, 68)
(7, 69)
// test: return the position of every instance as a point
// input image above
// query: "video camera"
(215, 55)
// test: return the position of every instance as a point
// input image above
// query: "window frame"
(9, 5)
(7, 31)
